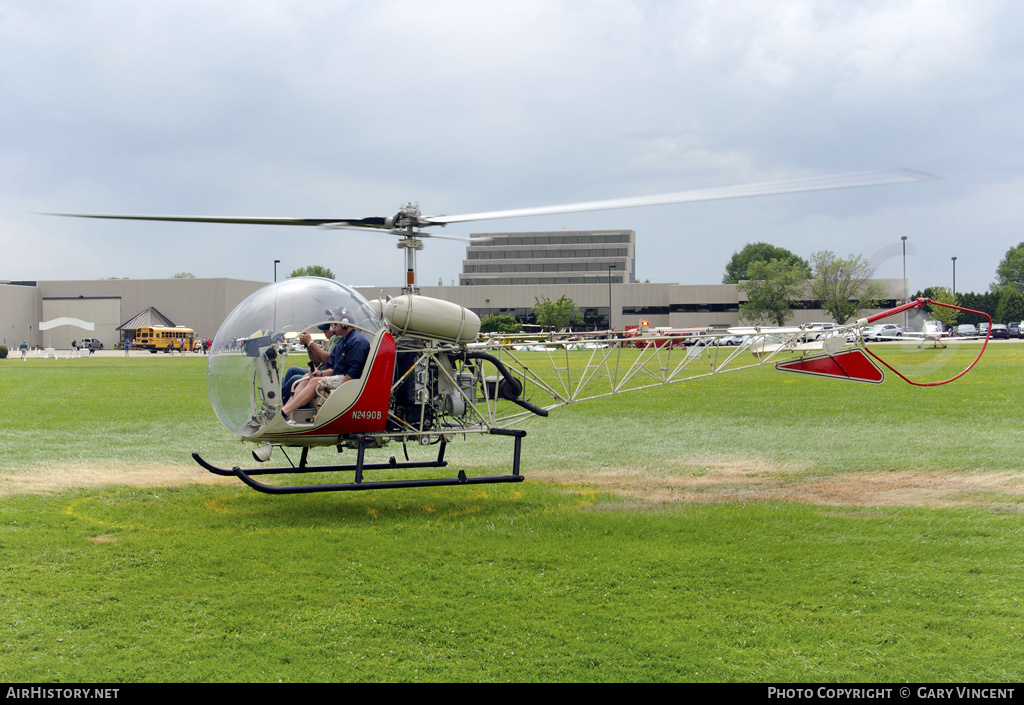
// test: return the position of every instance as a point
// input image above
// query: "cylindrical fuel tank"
(432, 318)
(378, 306)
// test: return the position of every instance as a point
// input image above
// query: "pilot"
(317, 359)
(346, 362)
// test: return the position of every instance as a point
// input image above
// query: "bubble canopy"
(274, 315)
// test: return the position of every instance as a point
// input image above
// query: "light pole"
(954, 276)
(276, 262)
(906, 291)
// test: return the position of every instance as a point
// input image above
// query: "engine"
(437, 378)
(436, 392)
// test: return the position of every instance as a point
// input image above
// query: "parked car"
(91, 343)
(816, 331)
(965, 330)
(886, 331)
(983, 329)
(1014, 329)
(1000, 331)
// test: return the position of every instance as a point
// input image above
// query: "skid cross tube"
(360, 465)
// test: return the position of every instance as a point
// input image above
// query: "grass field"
(753, 527)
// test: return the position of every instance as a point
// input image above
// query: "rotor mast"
(408, 218)
(410, 243)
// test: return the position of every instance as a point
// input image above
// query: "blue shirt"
(349, 355)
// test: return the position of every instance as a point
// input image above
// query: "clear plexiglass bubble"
(273, 317)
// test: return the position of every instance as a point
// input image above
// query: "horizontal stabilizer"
(853, 364)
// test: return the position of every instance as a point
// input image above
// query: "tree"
(947, 316)
(738, 267)
(985, 302)
(555, 314)
(1010, 306)
(770, 289)
(313, 270)
(1011, 268)
(842, 285)
(183, 275)
(499, 324)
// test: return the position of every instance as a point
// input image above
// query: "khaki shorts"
(327, 385)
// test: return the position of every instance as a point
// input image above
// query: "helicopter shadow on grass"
(200, 508)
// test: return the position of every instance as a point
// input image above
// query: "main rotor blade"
(821, 183)
(375, 225)
(366, 223)
(818, 183)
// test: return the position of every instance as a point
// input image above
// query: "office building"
(559, 257)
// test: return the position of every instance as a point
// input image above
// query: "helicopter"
(429, 375)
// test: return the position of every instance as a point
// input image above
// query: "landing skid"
(360, 465)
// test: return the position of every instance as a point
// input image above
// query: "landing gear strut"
(361, 465)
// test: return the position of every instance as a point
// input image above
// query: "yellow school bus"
(163, 338)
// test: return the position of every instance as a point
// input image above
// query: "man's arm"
(317, 355)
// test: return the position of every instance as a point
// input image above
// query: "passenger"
(345, 363)
(317, 359)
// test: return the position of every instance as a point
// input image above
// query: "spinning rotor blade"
(408, 222)
(358, 223)
(410, 217)
(818, 183)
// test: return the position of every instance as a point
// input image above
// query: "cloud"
(351, 109)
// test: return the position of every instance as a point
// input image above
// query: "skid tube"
(360, 465)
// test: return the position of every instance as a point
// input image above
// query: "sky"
(351, 109)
